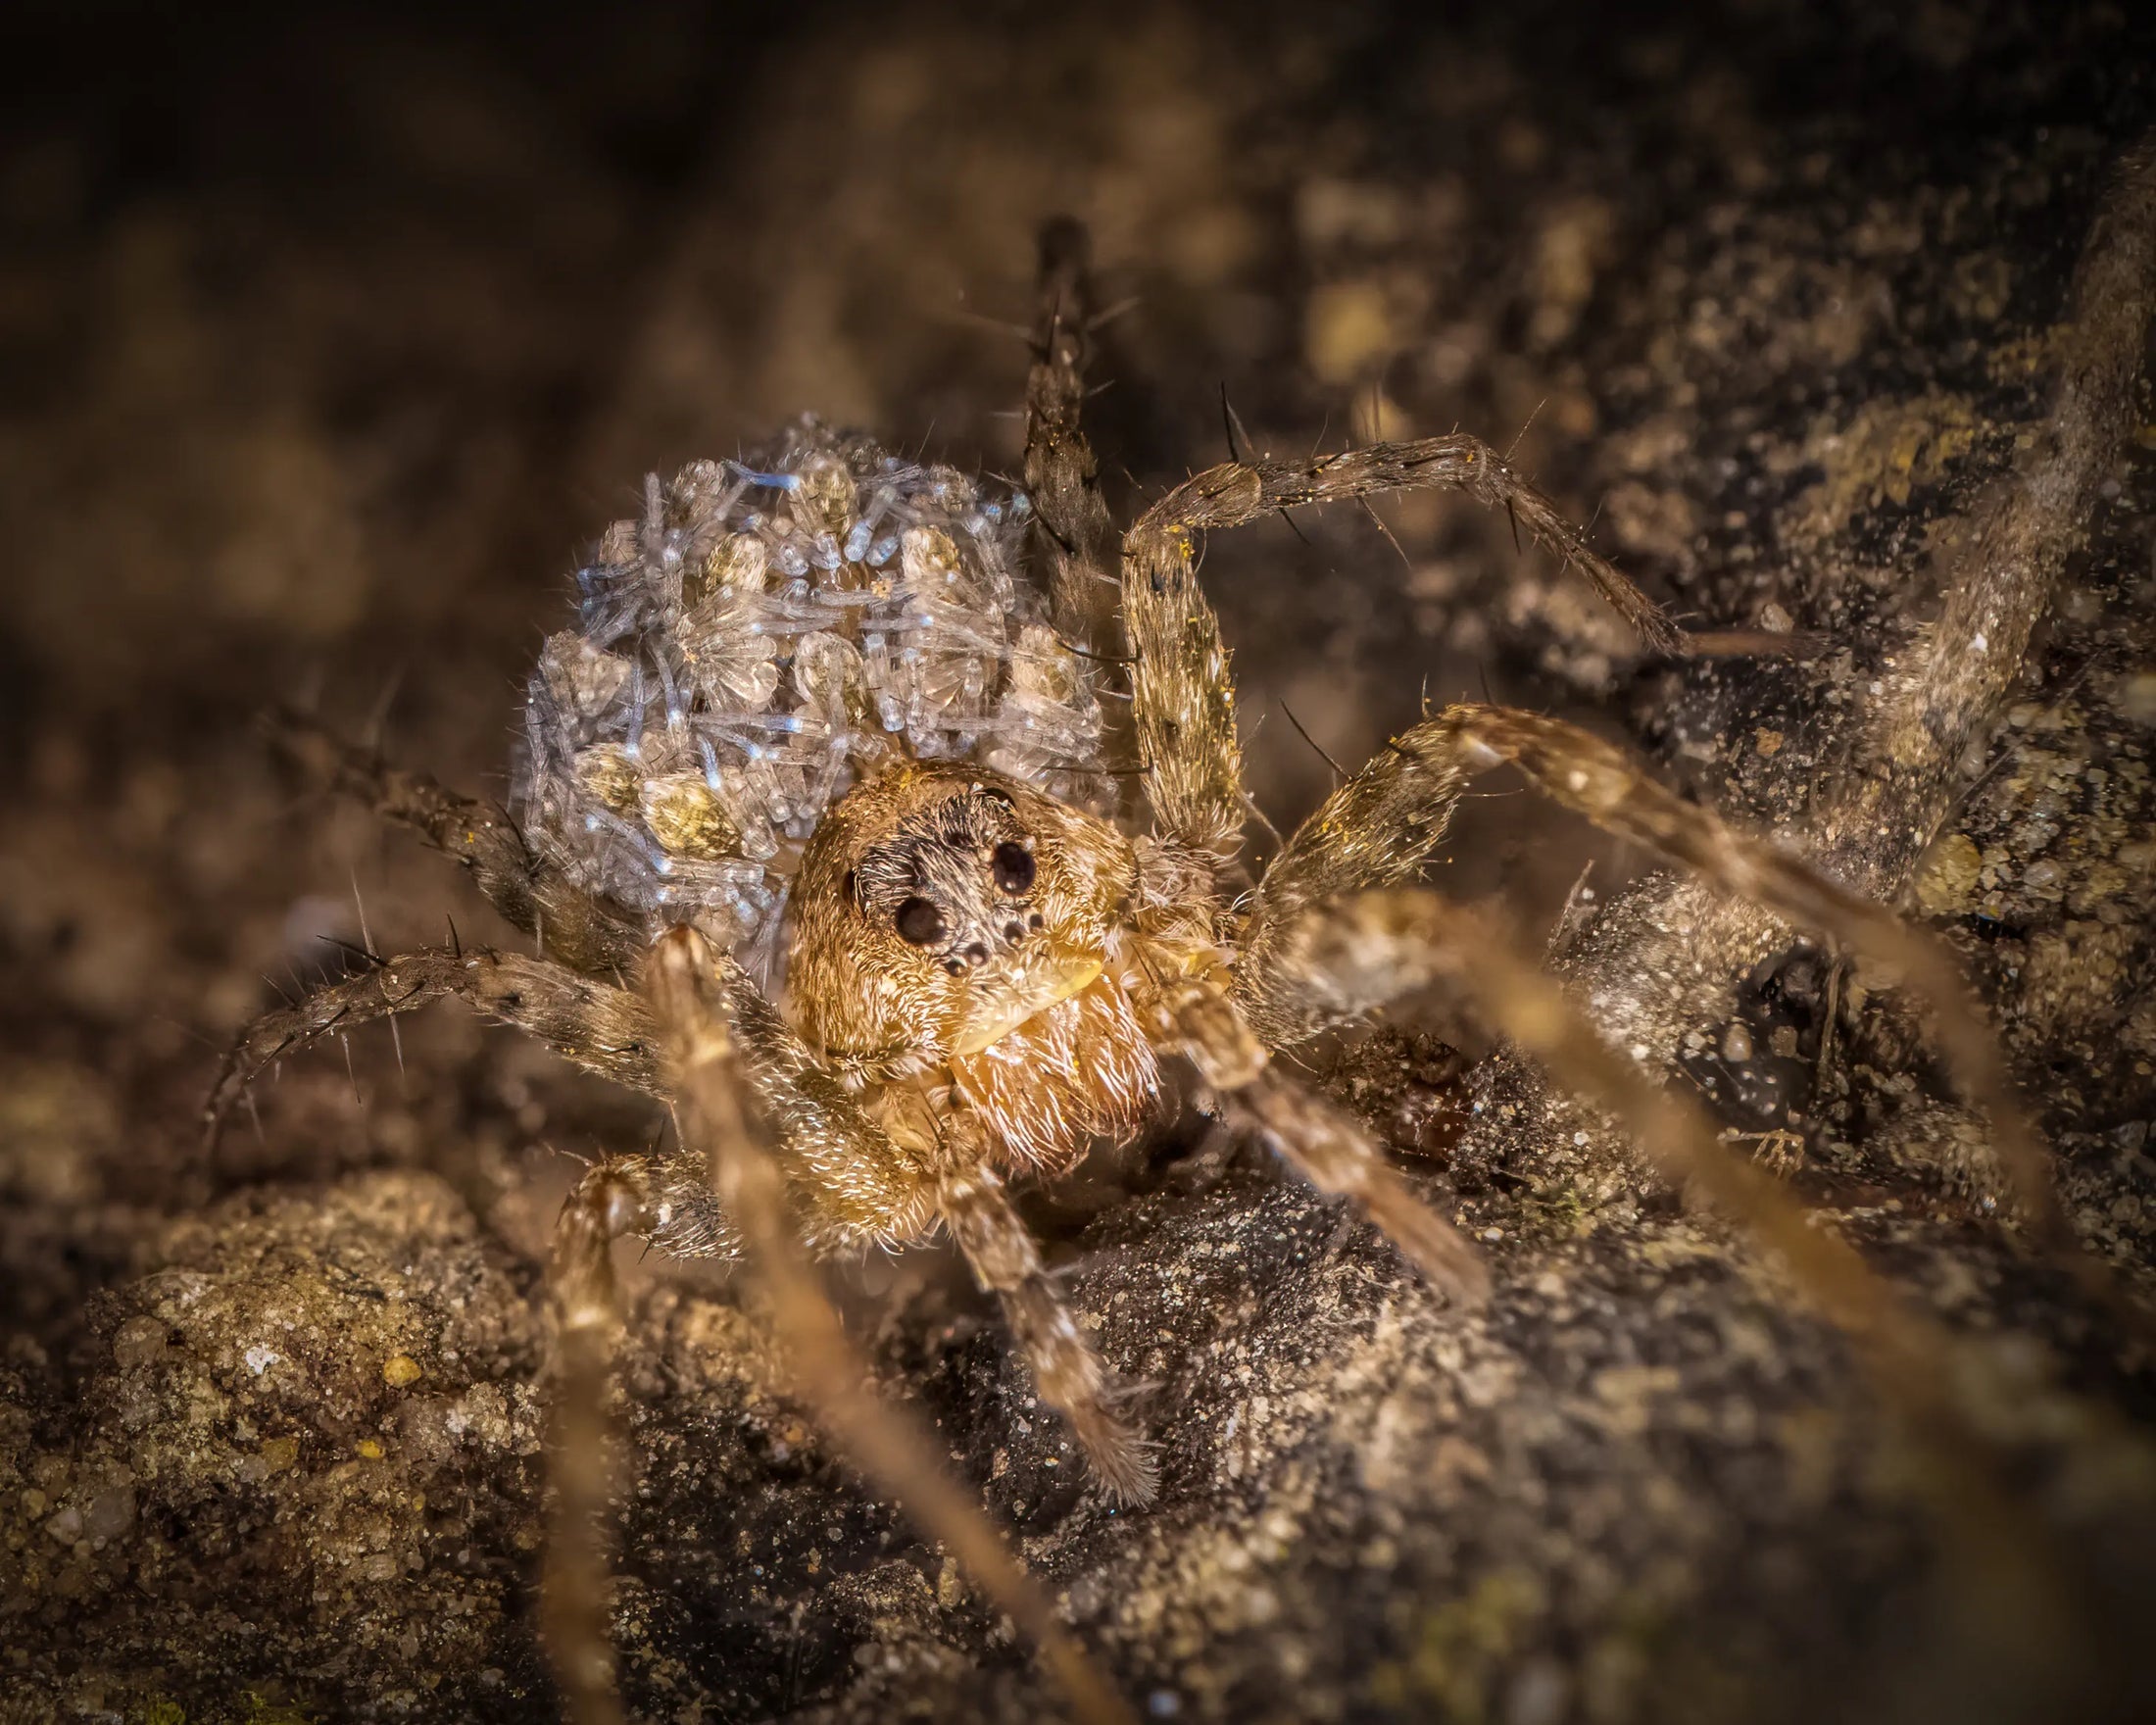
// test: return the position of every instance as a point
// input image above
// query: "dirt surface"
(327, 343)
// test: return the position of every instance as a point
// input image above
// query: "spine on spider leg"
(1183, 703)
(483, 839)
(602, 1028)
(1238, 492)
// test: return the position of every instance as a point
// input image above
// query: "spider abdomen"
(766, 634)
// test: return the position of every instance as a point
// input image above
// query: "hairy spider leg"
(1182, 693)
(1380, 827)
(1061, 473)
(717, 1111)
(611, 1200)
(573, 927)
(599, 1027)
(1066, 1371)
(1197, 1017)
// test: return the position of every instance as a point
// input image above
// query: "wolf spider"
(809, 702)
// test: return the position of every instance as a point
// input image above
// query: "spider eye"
(1012, 867)
(918, 922)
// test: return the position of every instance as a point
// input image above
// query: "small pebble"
(400, 1369)
(278, 1453)
(109, 1513)
(140, 1341)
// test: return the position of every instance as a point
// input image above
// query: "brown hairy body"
(1026, 1009)
(985, 974)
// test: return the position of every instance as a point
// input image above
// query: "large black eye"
(918, 922)
(1012, 867)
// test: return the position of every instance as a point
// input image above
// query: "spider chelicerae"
(833, 836)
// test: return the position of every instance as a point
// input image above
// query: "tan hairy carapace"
(973, 946)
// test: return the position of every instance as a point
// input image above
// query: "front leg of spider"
(715, 1105)
(582, 1464)
(1322, 1143)
(1068, 1373)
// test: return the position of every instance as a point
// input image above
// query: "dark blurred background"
(331, 333)
(329, 336)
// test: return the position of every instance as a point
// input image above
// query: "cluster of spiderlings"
(766, 633)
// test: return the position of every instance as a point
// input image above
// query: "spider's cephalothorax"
(952, 923)
(818, 708)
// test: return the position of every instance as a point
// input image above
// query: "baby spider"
(815, 823)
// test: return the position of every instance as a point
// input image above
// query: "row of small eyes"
(921, 924)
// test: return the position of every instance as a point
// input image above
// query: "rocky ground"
(328, 340)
